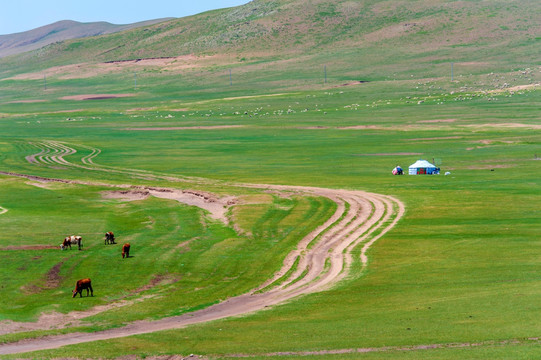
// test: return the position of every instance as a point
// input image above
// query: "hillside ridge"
(420, 34)
(11, 44)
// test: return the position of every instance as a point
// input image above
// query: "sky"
(22, 15)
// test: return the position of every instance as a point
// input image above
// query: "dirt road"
(361, 218)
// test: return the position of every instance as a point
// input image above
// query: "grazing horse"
(81, 285)
(109, 238)
(73, 239)
(126, 250)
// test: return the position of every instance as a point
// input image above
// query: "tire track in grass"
(361, 218)
(52, 153)
(397, 349)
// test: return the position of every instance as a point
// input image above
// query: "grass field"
(459, 276)
(462, 267)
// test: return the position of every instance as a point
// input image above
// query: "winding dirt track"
(324, 256)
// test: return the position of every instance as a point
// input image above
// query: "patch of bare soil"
(360, 127)
(54, 71)
(184, 246)
(37, 184)
(88, 70)
(155, 281)
(40, 179)
(217, 207)
(394, 31)
(63, 111)
(212, 127)
(56, 320)
(95, 96)
(51, 281)
(53, 278)
(490, 142)
(252, 96)
(515, 88)
(126, 195)
(473, 63)
(313, 127)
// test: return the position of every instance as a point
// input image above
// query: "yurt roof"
(422, 164)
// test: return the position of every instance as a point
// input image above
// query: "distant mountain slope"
(385, 36)
(59, 31)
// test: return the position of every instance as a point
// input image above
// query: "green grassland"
(461, 267)
(461, 270)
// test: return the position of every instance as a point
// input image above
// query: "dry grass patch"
(505, 126)
(95, 96)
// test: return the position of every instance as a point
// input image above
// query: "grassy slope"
(461, 267)
(395, 34)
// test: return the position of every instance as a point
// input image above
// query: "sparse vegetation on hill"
(384, 36)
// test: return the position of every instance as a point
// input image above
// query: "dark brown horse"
(81, 285)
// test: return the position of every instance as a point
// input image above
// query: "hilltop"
(60, 31)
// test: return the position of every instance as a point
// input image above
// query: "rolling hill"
(368, 40)
(59, 31)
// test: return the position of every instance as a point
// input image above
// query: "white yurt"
(423, 167)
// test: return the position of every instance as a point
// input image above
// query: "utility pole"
(230, 78)
(135, 81)
(44, 82)
(452, 71)
(325, 70)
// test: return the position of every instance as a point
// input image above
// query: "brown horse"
(126, 250)
(81, 285)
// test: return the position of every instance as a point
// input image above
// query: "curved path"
(321, 259)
